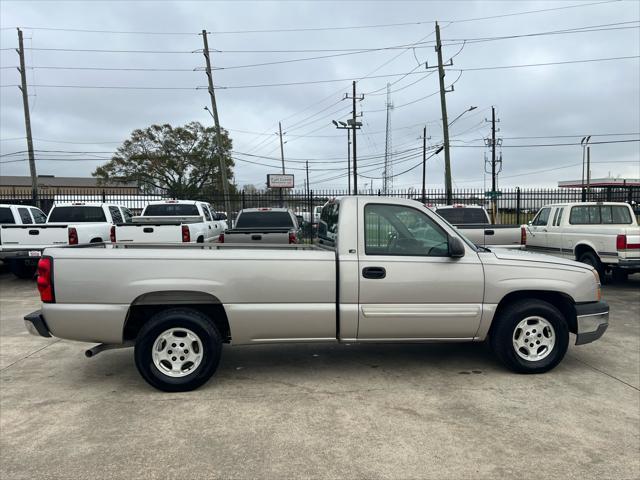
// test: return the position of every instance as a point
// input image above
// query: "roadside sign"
(280, 181)
(495, 194)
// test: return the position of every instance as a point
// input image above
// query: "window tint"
(77, 214)
(6, 217)
(126, 213)
(207, 213)
(24, 215)
(265, 219)
(597, 214)
(619, 214)
(542, 218)
(116, 216)
(555, 217)
(459, 216)
(328, 224)
(560, 216)
(38, 216)
(171, 209)
(399, 230)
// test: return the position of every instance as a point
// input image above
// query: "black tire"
(178, 318)
(592, 259)
(502, 335)
(25, 269)
(619, 276)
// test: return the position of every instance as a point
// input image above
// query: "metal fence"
(514, 206)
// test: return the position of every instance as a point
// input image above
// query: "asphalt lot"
(348, 411)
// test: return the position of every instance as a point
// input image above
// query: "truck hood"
(523, 255)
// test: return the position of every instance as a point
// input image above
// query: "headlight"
(598, 285)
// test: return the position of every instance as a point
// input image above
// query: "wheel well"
(147, 305)
(561, 301)
(583, 248)
(96, 240)
(200, 239)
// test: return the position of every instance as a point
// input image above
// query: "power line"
(499, 67)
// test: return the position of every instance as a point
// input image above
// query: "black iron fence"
(513, 206)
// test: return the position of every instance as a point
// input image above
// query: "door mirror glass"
(456, 247)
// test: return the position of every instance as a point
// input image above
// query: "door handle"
(544, 229)
(374, 273)
(489, 232)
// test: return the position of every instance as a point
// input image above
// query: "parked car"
(475, 224)
(263, 225)
(67, 224)
(172, 221)
(357, 284)
(604, 235)
(19, 215)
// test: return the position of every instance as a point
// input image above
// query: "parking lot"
(358, 411)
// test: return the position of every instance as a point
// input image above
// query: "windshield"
(171, 210)
(459, 216)
(77, 214)
(264, 220)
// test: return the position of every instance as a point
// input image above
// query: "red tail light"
(112, 234)
(45, 280)
(523, 235)
(73, 236)
(221, 238)
(622, 244)
(292, 237)
(186, 235)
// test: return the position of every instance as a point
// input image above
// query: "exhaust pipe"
(93, 351)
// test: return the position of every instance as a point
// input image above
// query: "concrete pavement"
(321, 411)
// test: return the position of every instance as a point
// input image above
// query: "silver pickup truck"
(381, 270)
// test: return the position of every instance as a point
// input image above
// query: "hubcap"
(177, 352)
(534, 338)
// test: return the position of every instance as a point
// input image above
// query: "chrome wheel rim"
(534, 338)
(177, 352)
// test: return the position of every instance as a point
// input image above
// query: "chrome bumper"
(592, 321)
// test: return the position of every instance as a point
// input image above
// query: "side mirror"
(456, 247)
(530, 222)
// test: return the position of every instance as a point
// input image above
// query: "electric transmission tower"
(387, 175)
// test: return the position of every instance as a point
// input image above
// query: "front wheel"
(178, 350)
(530, 336)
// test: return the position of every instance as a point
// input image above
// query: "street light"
(467, 110)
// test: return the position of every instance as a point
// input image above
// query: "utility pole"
(445, 122)
(354, 126)
(588, 171)
(307, 168)
(424, 165)
(282, 158)
(27, 120)
(216, 121)
(349, 161)
(387, 175)
(493, 164)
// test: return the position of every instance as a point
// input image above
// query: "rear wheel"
(530, 336)
(592, 259)
(178, 350)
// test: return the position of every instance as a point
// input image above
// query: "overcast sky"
(557, 103)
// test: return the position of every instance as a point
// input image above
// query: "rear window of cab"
(600, 214)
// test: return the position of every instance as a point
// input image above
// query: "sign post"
(280, 181)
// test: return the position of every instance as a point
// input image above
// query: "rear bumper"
(19, 254)
(592, 321)
(629, 264)
(35, 324)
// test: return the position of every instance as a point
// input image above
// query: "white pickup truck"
(604, 235)
(474, 223)
(173, 221)
(67, 224)
(382, 270)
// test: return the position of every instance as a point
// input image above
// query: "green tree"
(183, 161)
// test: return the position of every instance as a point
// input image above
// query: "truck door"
(409, 286)
(554, 235)
(537, 231)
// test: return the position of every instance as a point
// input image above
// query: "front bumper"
(592, 321)
(36, 325)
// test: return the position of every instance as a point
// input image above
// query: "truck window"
(24, 215)
(615, 214)
(400, 230)
(77, 214)
(462, 216)
(543, 217)
(328, 224)
(126, 214)
(585, 215)
(265, 219)
(6, 217)
(38, 216)
(559, 216)
(171, 209)
(116, 216)
(207, 213)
